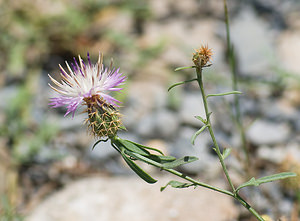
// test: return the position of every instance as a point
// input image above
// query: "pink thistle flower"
(86, 81)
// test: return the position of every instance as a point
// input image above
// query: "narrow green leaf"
(95, 144)
(201, 119)
(182, 68)
(197, 133)
(226, 153)
(162, 159)
(176, 184)
(208, 115)
(180, 83)
(145, 147)
(274, 177)
(145, 159)
(179, 162)
(132, 147)
(223, 94)
(266, 179)
(139, 171)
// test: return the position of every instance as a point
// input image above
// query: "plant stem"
(235, 87)
(248, 207)
(217, 149)
(181, 175)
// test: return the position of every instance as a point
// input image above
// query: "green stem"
(217, 149)
(204, 98)
(175, 172)
(249, 208)
(235, 87)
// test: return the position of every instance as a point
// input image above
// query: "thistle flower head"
(89, 84)
(202, 56)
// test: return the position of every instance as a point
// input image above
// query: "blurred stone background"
(48, 170)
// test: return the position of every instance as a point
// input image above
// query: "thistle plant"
(89, 85)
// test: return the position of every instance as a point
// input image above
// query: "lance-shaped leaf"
(226, 153)
(131, 147)
(95, 144)
(162, 159)
(197, 133)
(162, 165)
(223, 94)
(180, 83)
(145, 147)
(266, 179)
(177, 184)
(179, 162)
(182, 68)
(139, 171)
(201, 119)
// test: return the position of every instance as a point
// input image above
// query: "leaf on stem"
(139, 171)
(154, 160)
(179, 162)
(132, 147)
(197, 133)
(162, 159)
(145, 147)
(226, 153)
(223, 94)
(95, 144)
(180, 83)
(266, 179)
(182, 68)
(176, 184)
(201, 119)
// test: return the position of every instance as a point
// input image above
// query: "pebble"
(207, 162)
(263, 132)
(160, 124)
(129, 198)
(252, 39)
(192, 105)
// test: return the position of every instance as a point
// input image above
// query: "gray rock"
(143, 98)
(263, 132)
(279, 154)
(252, 39)
(125, 199)
(102, 151)
(272, 154)
(183, 147)
(161, 124)
(192, 105)
(288, 49)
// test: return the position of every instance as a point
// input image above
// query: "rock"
(272, 154)
(288, 47)
(160, 124)
(263, 132)
(192, 105)
(183, 147)
(129, 198)
(143, 98)
(252, 39)
(102, 151)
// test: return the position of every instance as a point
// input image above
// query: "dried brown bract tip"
(202, 56)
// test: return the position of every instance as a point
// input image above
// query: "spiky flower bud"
(202, 56)
(103, 119)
